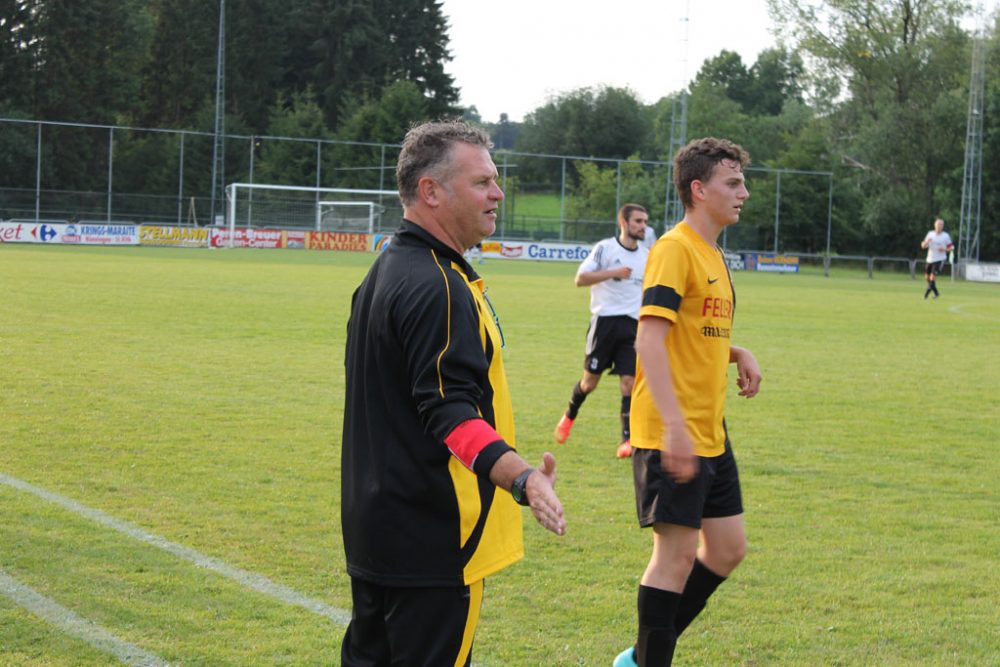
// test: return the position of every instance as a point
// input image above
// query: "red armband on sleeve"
(469, 438)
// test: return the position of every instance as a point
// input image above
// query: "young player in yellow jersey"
(686, 481)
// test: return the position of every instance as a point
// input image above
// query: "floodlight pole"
(218, 146)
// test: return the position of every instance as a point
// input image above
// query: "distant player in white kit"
(938, 244)
(613, 271)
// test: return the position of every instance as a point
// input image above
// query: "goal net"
(265, 206)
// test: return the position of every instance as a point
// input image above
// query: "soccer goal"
(266, 206)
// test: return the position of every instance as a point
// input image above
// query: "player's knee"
(627, 383)
(726, 559)
(589, 383)
(722, 556)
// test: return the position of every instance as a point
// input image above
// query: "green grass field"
(197, 395)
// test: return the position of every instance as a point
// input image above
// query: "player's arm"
(591, 271)
(586, 279)
(748, 375)
(677, 455)
(540, 487)
(481, 449)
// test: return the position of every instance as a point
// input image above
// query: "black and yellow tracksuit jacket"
(423, 357)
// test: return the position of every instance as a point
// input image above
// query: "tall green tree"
(292, 162)
(606, 122)
(181, 75)
(385, 121)
(89, 57)
(18, 54)
(347, 50)
(903, 67)
(72, 61)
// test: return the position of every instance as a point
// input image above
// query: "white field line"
(959, 309)
(77, 626)
(250, 580)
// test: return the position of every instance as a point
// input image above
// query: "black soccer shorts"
(713, 493)
(611, 344)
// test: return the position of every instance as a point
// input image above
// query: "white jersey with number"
(937, 250)
(615, 296)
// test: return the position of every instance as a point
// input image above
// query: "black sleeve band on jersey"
(662, 296)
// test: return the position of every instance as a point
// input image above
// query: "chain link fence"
(70, 171)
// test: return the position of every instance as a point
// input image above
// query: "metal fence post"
(180, 183)
(38, 174)
(253, 141)
(319, 166)
(829, 224)
(562, 203)
(777, 206)
(618, 186)
(111, 166)
(381, 172)
(503, 205)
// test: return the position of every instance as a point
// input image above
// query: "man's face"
(471, 194)
(939, 226)
(724, 193)
(635, 226)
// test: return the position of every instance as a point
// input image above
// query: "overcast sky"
(510, 56)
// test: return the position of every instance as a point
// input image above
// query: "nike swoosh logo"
(712, 281)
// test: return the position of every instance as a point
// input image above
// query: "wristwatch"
(519, 488)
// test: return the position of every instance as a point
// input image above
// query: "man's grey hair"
(427, 150)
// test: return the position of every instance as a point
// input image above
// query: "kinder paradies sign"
(351, 241)
(547, 252)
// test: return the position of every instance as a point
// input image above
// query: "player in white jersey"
(938, 244)
(613, 271)
(649, 240)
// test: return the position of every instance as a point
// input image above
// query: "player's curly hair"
(697, 160)
(427, 150)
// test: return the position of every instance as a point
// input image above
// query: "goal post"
(355, 216)
(269, 206)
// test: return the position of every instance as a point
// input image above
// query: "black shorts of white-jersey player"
(613, 271)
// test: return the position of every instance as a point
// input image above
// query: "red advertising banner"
(243, 237)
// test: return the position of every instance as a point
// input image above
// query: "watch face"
(518, 492)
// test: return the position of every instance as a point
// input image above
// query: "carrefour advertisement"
(83, 233)
(549, 252)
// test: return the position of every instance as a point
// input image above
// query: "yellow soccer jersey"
(688, 283)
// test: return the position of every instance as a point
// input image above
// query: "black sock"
(626, 409)
(657, 636)
(701, 583)
(575, 401)
(934, 288)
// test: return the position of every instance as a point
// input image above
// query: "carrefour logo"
(44, 232)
